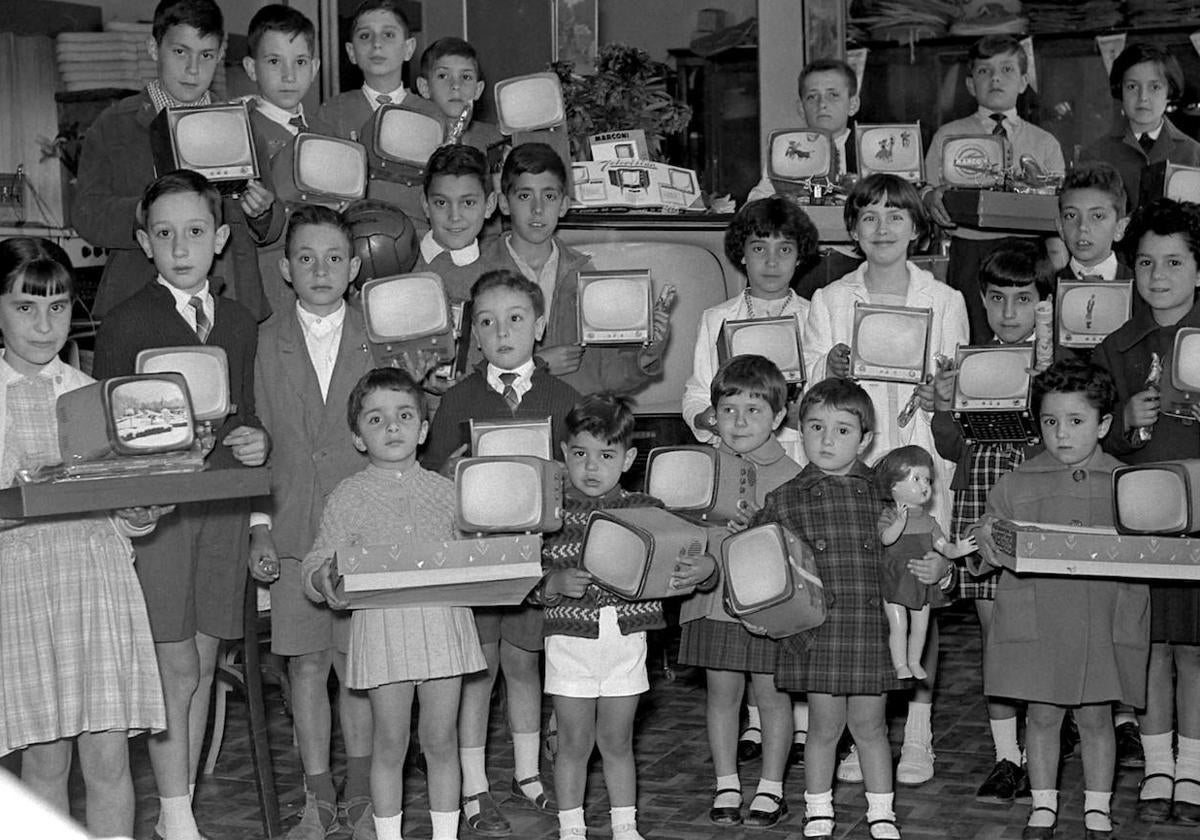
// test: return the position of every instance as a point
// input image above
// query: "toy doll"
(908, 531)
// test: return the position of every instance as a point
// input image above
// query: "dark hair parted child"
(1019, 262)
(315, 214)
(771, 217)
(286, 20)
(755, 376)
(990, 46)
(1097, 175)
(1165, 217)
(829, 65)
(383, 379)
(607, 417)
(1143, 53)
(893, 191)
(394, 7)
(202, 15)
(511, 280)
(457, 161)
(448, 46)
(1076, 376)
(533, 159)
(841, 394)
(180, 182)
(40, 267)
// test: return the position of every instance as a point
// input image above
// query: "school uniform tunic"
(1065, 640)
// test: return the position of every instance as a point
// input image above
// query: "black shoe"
(1153, 810)
(1024, 793)
(796, 754)
(1187, 813)
(728, 815)
(1000, 787)
(766, 819)
(1129, 746)
(1068, 737)
(1040, 832)
(748, 750)
(1097, 833)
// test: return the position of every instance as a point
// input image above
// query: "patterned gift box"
(1029, 548)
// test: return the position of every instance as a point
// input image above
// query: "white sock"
(160, 827)
(1160, 758)
(474, 772)
(624, 821)
(178, 821)
(1004, 737)
(1043, 799)
(879, 807)
(1123, 716)
(571, 819)
(918, 728)
(445, 824)
(526, 751)
(1187, 766)
(728, 800)
(767, 786)
(816, 807)
(388, 828)
(1097, 800)
(799, 721)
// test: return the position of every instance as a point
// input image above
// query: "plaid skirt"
(726, 646)
(988, 461)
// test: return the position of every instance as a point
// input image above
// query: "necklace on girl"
(783, 309)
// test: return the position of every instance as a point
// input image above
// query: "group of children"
(100, 644)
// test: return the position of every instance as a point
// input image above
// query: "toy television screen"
(1157, 498)
(127, 415)
(798, 154)
(633, 551)
(1185, 360)
(406, 306)
(758, 570)
(894, 149)
(508, 494)
(529, 103)
(1088, 312)
(329, 168)
(406, 136)
(615, 307)
(700, 480)
(973, 160)
(778, 339)
(206, 371)
(890, 343)
(1181, 183)
(213, 140)
(533, 438)
(992, 377)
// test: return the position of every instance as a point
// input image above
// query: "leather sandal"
(765, 819)
(813, 819)
(728, 814)
(1155, 809)
(541, 802)
(1187, 813)
(1040, 832)
(488, 821)
(1097, 833)
(884, 823)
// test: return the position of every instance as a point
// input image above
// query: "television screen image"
(213, 140)
(206, 371)
(404, 136)
(893, 148)
(771, 581)
(890, 343)
(1185, 360)
(776, 338)
(683, 180)
(634, 551)
(800, 154)
(615, 307)
(701, 481)
(510, 494)
(529, 103)
(973, 160)
(329, 168)
(406, 306)
(1157, 498)
(126, 415)
(992, 377)
(1088, 312)
(533, 438)
(1183, 183)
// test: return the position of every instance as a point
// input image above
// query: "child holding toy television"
(1068, 642)
(75, 646)
(595, 640)
(886, 218)
(404, 653)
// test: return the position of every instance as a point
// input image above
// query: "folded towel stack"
(114, 58)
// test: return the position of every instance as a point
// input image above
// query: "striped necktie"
(510, 393)
(298, 122)
(203, 325)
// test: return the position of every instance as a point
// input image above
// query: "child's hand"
(943, 388)
(325, 583)
(706, 420)
(692, 571)
(141, 517)
(741, 521)
(965, 546)
(926, 395)
(418, 365)
(1142, 409)
(981, 532)
(570, 583)
(263, 561)
(249, 445)
(930, 568)
(837, 363)
(937, 208)
(256, 199)
(661, 327)
(451, 464)
(563, 359)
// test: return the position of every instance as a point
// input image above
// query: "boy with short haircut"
(309, 358)
(595, 640)
(508, 317)
(283, 64)
(192, 567)
(1092, 217)
(535, 195)
(116, 164)
(452, 79)
(997, 74)
(1013, 279)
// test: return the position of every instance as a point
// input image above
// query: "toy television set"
(532, 438)
(973, 160)
(797, 155)
(634, 185)
(890, 343)
(771, 581)
(204, 369)
(615, 307)
(213, 140)
(1181, 390)
(531, 109)
(634, 551)
(992, 394)
(1172, 180)
(404, 140)
(701, 482)
(776, 338)
(508, 495)
(893, 148)
(328, 169)
(142, 414)
(1088, 311)
(1159, 498)
(408, 312)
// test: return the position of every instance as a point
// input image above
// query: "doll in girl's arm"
(908, 531)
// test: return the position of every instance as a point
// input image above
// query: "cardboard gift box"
(999, 210)
(476, 572)
(1030, 548)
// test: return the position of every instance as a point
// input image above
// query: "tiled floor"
(675, 778)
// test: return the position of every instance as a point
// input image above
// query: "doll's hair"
(1076, 376)
(897, 464)
(35, 266)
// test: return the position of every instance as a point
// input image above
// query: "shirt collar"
(373, 95)
(1106, 268)
(9, 374)
(162, 99)
(278, 115)
(769, 453)
(520, 261)
(985, 116)
(182, 298)
(331, 322)
(600, 501)
(1154, 132)
(523, 372)
(431, 248)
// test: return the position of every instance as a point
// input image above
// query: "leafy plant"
(628, 91)
(65, 146)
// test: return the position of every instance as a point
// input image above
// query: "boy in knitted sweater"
(596, 641)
